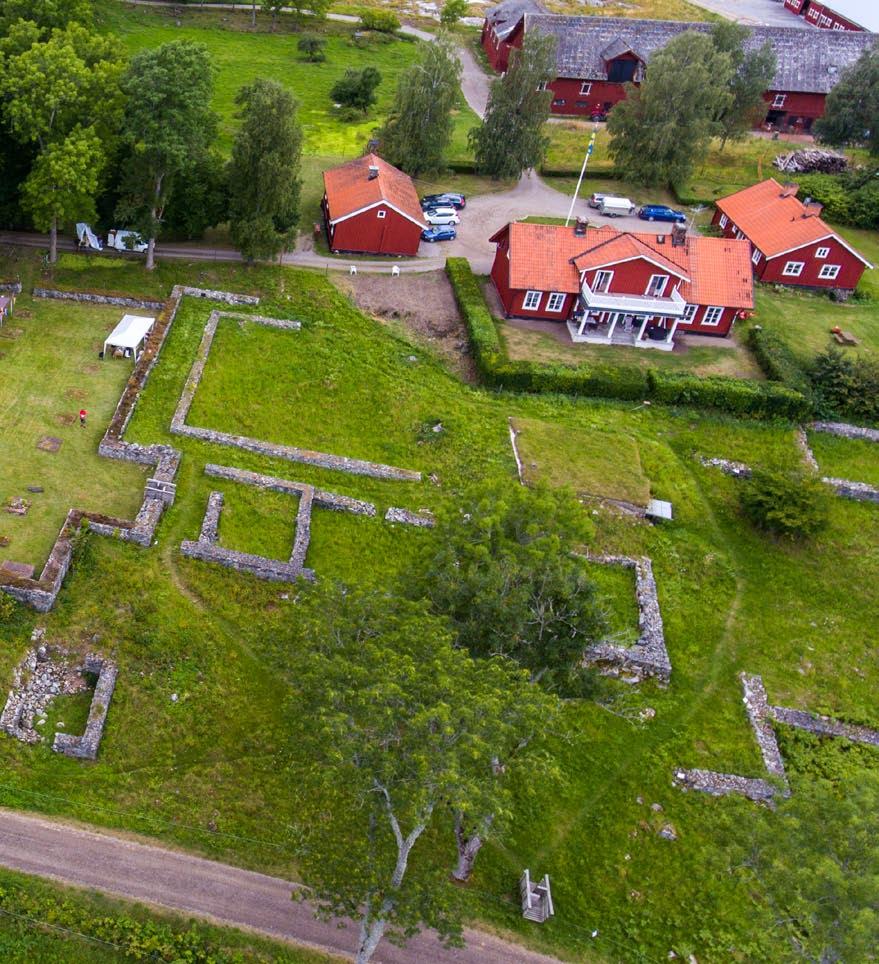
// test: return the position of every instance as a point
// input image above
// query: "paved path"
(754, 12)
(204, 888)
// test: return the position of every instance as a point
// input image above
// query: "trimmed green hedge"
(741, 397)
(776, 360)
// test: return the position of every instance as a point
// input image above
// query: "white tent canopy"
(130, 334)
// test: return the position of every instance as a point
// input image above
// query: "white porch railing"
(670, 306)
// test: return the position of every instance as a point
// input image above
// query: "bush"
(777, 362)
(484, 341)
(846, 386)
(734, 395)
(7, 608)
(850, 198)
(312, 47)
(793, 505)
(357, 89)
(382, 21)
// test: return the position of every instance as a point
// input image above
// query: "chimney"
(789, 189)
(580, 226)
(812, 209)
(660, 239)
(678, 236)
(373, 172)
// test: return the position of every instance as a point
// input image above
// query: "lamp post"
(589, 149)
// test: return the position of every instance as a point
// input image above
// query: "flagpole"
(588, 154)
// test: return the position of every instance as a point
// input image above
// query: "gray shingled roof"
(808, 60)
(506, 15)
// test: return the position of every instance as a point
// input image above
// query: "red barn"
(857, 15)
(613, 287)
(790, 243)
(371, 207)
(597, 56)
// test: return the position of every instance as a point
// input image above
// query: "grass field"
(48, 372)
(210, 770)
(586, 461)
(843, 458)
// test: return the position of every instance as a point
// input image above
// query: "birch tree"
(396, 732)
(419, 128)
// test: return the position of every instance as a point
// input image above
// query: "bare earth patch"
(423, 303)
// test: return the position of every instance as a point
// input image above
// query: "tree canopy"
(665, 125)
(851, 113)
(396, 730)
(510, 139)
(357, 88)
(752, 75)
(419, 128)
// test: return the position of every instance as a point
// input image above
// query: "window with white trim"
(656, 285)
(603, 280)
(555, 301)
(822, 253)
(382, 213)
(542, 85)
(712, 316)
(689, 312)
(779, 100)
(828, 272)
(586, 87)
(724, 220)
(755, 257)
(532, 300)
(793, 269)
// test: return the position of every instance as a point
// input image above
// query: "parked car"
(450, 198)
(441, 232)
(441, 216)
(617, 207)
(596, 199)
(126, 241)
(661, 212)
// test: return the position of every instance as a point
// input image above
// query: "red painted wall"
(850, 273)
(602, 95)
(823, 15)
(367, 233)
(497, 51)
(798, 111)
(632, 277)
(500, 275)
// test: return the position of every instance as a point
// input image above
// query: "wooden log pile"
(810, 161)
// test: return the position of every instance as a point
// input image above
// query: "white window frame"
(527, 304)
(793, 269)
(689, 312)
(555, 301)
(601, 274)
(382, 213)
(829, 272)
(660, 290)
(713, 315)
(778, 100)
(724, 220)
(822, 253)
(755, 257)
(586, 87)
(542, 86)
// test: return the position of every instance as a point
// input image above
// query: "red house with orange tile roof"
(371, 207)
(622, 288)
(790, 243)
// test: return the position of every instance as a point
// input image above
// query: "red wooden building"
(790, 243)
(597, 56)
(613, 287)
(838, 14)
(371, 207)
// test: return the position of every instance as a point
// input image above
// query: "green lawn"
(208, 771)
(590, 462)
(843, 458)
(50, 370)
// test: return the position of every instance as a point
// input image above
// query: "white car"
(596, 200)
(126, 241)
(442, 216)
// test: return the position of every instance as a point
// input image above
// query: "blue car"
(659, 212)
(440, 232)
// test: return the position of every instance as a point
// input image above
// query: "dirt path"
(204, 888)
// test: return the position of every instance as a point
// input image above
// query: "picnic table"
(844, 337)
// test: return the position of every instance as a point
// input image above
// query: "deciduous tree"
(851, 115)
(399, 728)
(503, 572)
(510, 139)
(312, 47)
(46, 14)
(357, 89)
(452, 12)
(168, 122)
(753, 72)
(419, 127)
(264, 171)
(665, 125)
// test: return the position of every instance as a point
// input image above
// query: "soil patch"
(66, 419)
(11, 333)
(19, 570)
(423, 303)
(91, 369)
(76, 394)
(48, 443)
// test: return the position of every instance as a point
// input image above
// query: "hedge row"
(776, 360)
(760, 399)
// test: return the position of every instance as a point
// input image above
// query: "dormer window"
(779, 100)
(586, 87)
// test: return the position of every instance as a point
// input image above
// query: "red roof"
(549, 257)
(350, 189)
(774, 220)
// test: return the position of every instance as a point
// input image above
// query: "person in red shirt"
(82, 416)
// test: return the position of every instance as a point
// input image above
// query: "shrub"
(793, 505)
(850, 198)
(312, 47)
(7, 608)
(777, 362)
(357, 89)
(846, 386)
(382, 21)
(484, 341)
(736, 395)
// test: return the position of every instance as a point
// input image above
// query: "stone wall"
(845, 430)
(272, 570)
(85, 747)
(423, 518)
(13, 286)
(856, 491)
(88, 298)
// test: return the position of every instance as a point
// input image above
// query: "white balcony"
(669, 306)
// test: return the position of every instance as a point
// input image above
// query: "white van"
(126, 241)
(616, 207)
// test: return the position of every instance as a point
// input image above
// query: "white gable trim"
(640, 257)
(375, 204)
(826, 237)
